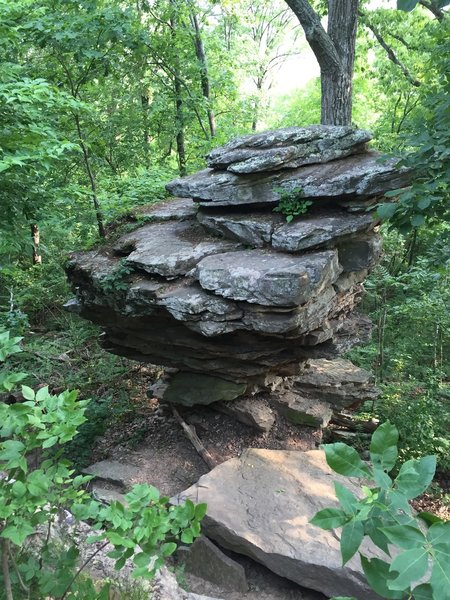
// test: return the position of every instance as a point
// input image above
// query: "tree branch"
(437, 12)
(316, 36)
(390, 52)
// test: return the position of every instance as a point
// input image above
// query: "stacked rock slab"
(219, 286)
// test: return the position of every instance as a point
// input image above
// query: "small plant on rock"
(422, 540)
(291, 203)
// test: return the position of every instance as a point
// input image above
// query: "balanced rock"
(261, 505)
(288, 148)
(232, 296)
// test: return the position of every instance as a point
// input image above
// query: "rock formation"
(220, 287)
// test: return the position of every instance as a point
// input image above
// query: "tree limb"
(437, 12)
(316, 36)
(390, 52)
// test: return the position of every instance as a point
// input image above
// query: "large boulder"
(260, 505)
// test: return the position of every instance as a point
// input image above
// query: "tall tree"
(335, 53)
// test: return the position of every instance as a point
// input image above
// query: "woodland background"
(102, 102)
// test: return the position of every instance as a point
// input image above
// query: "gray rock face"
(252, 411)
(270, 279)
(205, 560)
(338, 382)
(168, 249)
(313, 231)
(260, 505)
(193, 388)
(303, 411)
(229, 294)
(252, 230)
(121, 474)
(360, 175)
(287, 148)
(173, 209)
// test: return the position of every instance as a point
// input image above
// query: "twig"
(189, 430)
(86, 562)
(19, 577)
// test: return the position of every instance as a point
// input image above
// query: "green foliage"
(383, 514)
(117, 279)
(38, 484)
(291, 203)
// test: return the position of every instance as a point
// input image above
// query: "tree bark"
(335, 53)
(91, 176)
(179, 110)
(204, 74)
(37, 258)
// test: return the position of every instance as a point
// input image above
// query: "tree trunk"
(91, 176)
(177, 85)
(204, 74)
(337, 85)
(37, 258)
(335, 53)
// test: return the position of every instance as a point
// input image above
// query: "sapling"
(419, 568)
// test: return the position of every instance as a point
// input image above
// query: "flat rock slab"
(316, 230)
(205, 560)
(268, 278)
(359, 175)
(250, 229)
(251, 411)
(122, 474)
(287, 148)
(169, 249)
(189, 389)
(303, 411)
(338, 381)
(172, 209)
(260, 505)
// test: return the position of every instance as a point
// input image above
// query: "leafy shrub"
(38, 483)
(386, 517)
(423, 422)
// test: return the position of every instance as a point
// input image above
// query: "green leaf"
(410, 565)
(423, 592)
(429, 518)
(404, 536)
(351, 538)
(118, 540)
(345, 460)
(439, 533)
(27, 393)
(417, 220)
(168, 549)
(440, 575)
(415, 476)
(378, 575)
(19, 489)
(386, 210)
(17, 533)
(383, 446)
(329, 518)
(200, 511)
(346, 499)
(49, 442)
